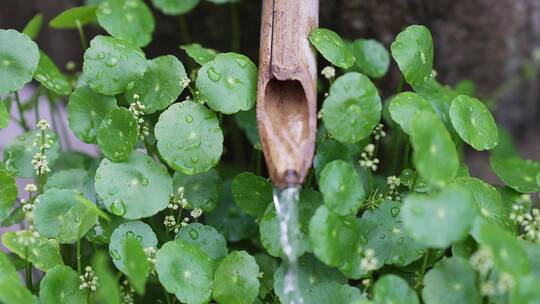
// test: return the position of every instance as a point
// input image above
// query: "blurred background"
(492, 44)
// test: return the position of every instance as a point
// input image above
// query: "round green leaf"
(185, 270)
(382, 230)
(228, 83)
(488, 202)
(134, 229)
(61, 285)
(452, 280)
(312, 274)
(371, 56)
(8, 194)
(235, 280)
(440, 97)
(19, 57)
(526, 291)
(341, 187)
(206, 237)
(432, 143)
(201, 190)
(129, 20)
(252, 193)
(175, 7)
(110, 65)
(18, 154)
(160, 85)
(199, 54)
(268, 266)
(332, 150)
(332, 47)
(393, 289)
(189, 137)
(86, 110)
(48, 74)
(13, 291)
(518, 174)
(508, 253)
(117, 134)
(75, 179)
(404, 106)
(413, 52)
(136, 188)
(474, 123)
(44, 253)
(352, 109)
(61, 215)
(69, 18)
(334, 238)
(438, 219)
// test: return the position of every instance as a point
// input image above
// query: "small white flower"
(505, 283)
(151, 257)
(127, 292)
(185, 81)
(89, 280)
(196, 213)
(260, 275)
(42, 125)
(482, 260)
(369, 261)
(40, 163)
(328, 72)
(170, 222)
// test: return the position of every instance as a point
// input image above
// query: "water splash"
(286, 203)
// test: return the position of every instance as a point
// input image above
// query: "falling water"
(286, 202)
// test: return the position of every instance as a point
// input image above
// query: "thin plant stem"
(79, 268)
(23, 123)
(82, 36)
(184, 30)
(424, 264)
(63, 127)
(166, 294)
(235, 24)
(28, 270)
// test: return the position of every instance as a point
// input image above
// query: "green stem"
(166, 294)
(424, 264)
(35, 100)
(28, 271)
(21, 112)
(184, 30)
(406, 150)
(414, 181)
(79, 268)
(82, 36)
(235, 24)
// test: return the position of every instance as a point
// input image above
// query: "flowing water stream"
(286, 203)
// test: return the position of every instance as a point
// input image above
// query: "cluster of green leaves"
(109, 211)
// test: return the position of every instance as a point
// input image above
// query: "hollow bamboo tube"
(287, 89)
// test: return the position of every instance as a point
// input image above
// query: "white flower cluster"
(393, 185)
(137, 110)
(185, 81)
(369, 261)
(128, 293)
(30, 188)
(178, 200)
(27, 237)
(170, 222)
(89, 281)
(329, 72)
(378, 132)
(151, 257)
(42, 125)
(40, 163)
(196, 213)
(482, 260)
(501, 285)
(260, 275)
(368, 161)
(530, 223)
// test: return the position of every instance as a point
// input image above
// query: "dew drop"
(143, 181)
(193, 234)
(99, 75)
(116, 78)
(130, 234)
(189, 119)
(214, 75)
(382, 236)
(394, 211)
(242, 61)
(118, 207)
(363, 240)
(115, 255)
(100, 55)
(194, 159)
(112, 62)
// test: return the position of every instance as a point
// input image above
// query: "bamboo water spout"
(287, 89)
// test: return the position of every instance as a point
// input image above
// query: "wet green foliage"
(175, 205)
